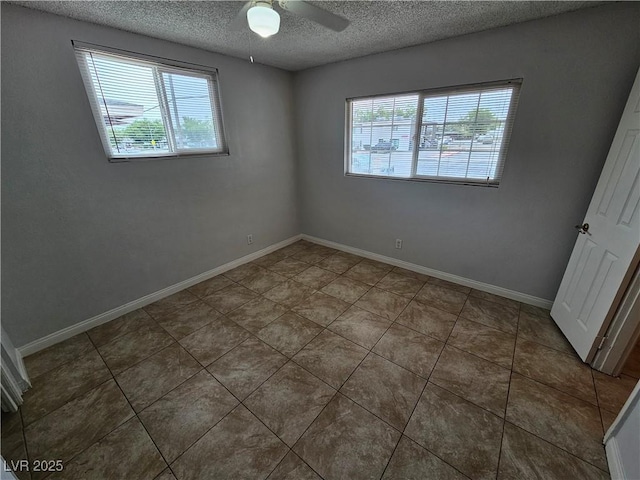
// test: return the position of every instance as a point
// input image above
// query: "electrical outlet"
(249, 239)
(398, 243)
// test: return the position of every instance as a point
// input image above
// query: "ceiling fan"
(265, 20)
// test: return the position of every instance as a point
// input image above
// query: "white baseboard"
(105, 317)
(485, 287)
(68, 332)
(24, 381)
(616, 469)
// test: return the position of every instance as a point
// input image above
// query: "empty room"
(287, 239)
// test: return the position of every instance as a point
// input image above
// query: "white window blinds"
(456, 135)
(145, 108)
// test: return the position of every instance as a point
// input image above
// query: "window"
(146, 108)
(457, 135)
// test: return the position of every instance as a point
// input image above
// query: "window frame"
(163, 65)
(516, 83)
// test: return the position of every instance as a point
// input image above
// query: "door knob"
(584, 228)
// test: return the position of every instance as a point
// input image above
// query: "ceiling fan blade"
(240, 21)
(316, 14)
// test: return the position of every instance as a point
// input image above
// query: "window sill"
(167, 156)
(443, 180)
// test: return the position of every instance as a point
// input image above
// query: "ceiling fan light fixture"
(263, 19)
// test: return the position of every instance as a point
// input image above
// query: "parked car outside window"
(383, 147)
(485, 139)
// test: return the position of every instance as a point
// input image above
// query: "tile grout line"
(289, 448)
(564, 352)
(63, 363)
(303, 461)
(173, 340)
(240, 403)
(76, 395)
(506, 403)
(478, 356)
(418, 443)
(374, 345)
(168, 464)
(593, 381)
(288, 360)
(467, 400)
(545, 440)
(504, 419)
(572, 353)
(343, 383)
(24, 436)
(458, 315)
(70, 400)
(291, 359)
(117, 426)
(402, 433)
(582, 400)
(251, 392)
(403, 367)
(179, 310)
(207, 300)
(281, 460)
(135, 414)
(348, 397)
(511, 369)
(210, 428)
(556, 446)
(423, 388)
(312, 422)
(464, 399)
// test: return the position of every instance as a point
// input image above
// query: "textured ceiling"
(376, 26)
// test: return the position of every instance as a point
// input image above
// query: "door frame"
(623, 331)
(617, 458)
(14, 374)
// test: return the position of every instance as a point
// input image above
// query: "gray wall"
(81, 236)
(578, 69)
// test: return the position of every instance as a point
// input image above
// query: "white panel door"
(603, 253)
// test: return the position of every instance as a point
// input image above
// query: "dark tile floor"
(311, 363)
